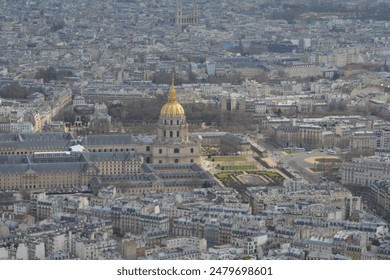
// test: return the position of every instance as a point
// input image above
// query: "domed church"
(173, 144)
(169, 161)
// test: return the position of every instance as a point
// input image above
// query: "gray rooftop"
(97, 140)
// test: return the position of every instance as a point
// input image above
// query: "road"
(297, 162)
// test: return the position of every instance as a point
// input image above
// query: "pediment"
(30, 171)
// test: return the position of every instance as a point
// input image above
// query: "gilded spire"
(172, 109)
(172, 91)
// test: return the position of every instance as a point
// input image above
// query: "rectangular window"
(160, 151)
(192, 150)
(147, 148)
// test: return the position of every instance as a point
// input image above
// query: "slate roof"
(99, 140)
(45, 140)
(80, 161)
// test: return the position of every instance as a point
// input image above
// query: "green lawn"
(326, 160)
(274, 176)
(223, 175)
(316, 169)
(226, 177)
(269, 174)
(222, 159)
(238, 167)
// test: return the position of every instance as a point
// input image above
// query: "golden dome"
(172, 109)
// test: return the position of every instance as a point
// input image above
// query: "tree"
(57, 23)
(51, 73)
(14, 90)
